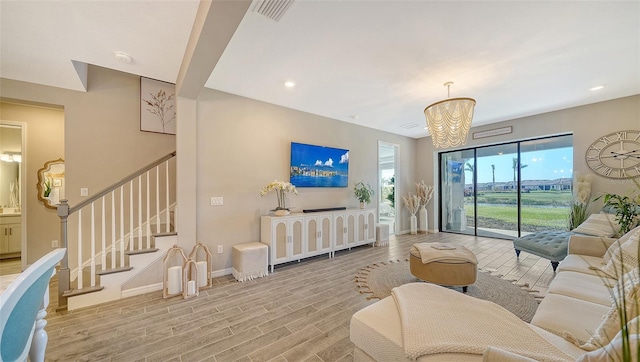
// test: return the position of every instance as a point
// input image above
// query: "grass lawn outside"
(543, 210)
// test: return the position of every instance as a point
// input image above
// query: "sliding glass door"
(507, 190)
(497, 196)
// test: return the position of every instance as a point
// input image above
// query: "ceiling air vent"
(272, 9)
(409, 125)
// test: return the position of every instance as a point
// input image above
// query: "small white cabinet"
(300, 235)
(284, 236)
(10, 236)
(318, 233)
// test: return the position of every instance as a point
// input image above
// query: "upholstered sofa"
(575, 318)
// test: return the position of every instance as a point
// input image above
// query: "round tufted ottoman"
(440, 264)
(548, 244)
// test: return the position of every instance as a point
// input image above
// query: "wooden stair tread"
(141, 251)
(74, 292)
(114, 270)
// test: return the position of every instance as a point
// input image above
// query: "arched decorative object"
(51, 183)
(190, 280)
(172, 270)
(202, 256)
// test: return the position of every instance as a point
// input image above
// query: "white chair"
(23, 305)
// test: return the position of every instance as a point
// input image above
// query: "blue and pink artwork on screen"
(318, 166)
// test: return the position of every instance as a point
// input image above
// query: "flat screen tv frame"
(318, 166)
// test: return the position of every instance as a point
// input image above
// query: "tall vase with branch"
(581, 200)
(412, 203)
(425, 193)
(281, 188)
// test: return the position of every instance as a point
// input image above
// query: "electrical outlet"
(219, 249)
(84, 191)
(217, 201)
(54, 243)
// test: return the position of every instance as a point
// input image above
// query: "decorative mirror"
(51, 183)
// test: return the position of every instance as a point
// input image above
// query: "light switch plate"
(217, 201)
(84, 191)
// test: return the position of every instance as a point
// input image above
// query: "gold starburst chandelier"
(448, 121)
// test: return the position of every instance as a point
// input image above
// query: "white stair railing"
(115, 223)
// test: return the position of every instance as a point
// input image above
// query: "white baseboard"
(141, 290)
(158, 286)
(221, 272)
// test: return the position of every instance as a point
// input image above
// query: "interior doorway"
(12, 194)
(387, 180)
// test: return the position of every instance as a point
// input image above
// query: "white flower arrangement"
(412, 203)
(281, 188)
(581, 199)
(425, 192)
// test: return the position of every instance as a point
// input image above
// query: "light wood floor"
(10, 266)
(299, 313)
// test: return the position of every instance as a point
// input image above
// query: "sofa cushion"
(587, 287)
(624, 258)
(563, 315)
(615, 245)
(581, 264)
(602, 224)
(624, 296)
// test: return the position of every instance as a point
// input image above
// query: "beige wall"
(586, 123)
(244, 144)
(102, 138)
(45, 142)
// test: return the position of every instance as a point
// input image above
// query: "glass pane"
(546, 172)
(497, 191)
(456, 203)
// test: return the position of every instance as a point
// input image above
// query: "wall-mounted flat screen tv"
(318, 166)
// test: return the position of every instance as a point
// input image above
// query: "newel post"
(64, 274)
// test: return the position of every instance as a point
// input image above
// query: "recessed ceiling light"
(598, 87)
(289, 84)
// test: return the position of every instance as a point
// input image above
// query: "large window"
(507, 190)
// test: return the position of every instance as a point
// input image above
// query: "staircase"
(117, 238)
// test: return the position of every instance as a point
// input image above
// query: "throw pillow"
(624, 297)
(602, 224)
(617, 243)
(613, 350)
(624, 258)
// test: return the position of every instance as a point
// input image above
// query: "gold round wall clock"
(616, 155)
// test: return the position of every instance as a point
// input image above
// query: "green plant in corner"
(363, 192)
(627, 209)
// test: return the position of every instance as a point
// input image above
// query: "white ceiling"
(373, 63)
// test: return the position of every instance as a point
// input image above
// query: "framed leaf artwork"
(157, 106)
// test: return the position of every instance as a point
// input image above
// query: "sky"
(541, 165)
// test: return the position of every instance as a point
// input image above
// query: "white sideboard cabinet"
(299, 235)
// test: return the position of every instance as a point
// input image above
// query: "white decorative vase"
(281, 212)
(362, 204)
(422, 216)
(414, 224)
